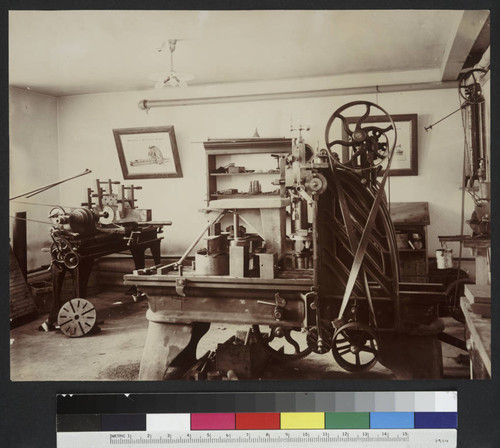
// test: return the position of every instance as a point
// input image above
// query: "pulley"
(77, 318)
(315, 183)
(63, 253)
(354, 347)
(107, 216)
(82, 220)
(469, 87)
(367, 145)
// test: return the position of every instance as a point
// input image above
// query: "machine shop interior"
(246, 195)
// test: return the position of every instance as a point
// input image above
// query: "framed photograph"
(405, 159)
(148, 153)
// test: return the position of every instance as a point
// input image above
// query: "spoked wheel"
(365, 143)
(469, 86)
(354, 347)
(76, 318)
(281, 345)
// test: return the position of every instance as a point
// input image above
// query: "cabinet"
(410, 221)
(246, 173)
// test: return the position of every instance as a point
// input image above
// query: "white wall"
(33, 163)
(86, 141)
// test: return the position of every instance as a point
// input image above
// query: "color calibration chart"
(262, 419)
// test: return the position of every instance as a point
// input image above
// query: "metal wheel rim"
(342, 109)
(343, 343)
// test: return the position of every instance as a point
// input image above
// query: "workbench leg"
(58, 274)
(156, 251)
(138, 254)
(164, 342)
(83, 274)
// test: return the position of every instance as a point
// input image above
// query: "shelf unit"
(409, 219)
(219, 151)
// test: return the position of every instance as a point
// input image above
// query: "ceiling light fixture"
(171, 78)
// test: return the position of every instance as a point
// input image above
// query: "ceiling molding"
(461, 42)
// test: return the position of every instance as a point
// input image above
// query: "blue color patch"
(436, 420)
(391, 420)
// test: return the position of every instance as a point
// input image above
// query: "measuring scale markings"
(412, 438)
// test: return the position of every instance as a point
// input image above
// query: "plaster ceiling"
(75, 52)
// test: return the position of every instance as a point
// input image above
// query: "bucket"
(444, 258)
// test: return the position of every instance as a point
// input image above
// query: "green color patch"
(347, 420)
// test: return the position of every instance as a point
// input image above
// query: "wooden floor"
(115, 352)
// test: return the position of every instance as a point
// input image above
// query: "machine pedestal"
(169, 345)
(413, 356)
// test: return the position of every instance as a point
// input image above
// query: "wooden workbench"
(478, 340)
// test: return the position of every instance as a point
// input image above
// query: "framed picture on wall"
(148, 153)
(405, 159)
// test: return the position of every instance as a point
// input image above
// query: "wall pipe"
(148, 104)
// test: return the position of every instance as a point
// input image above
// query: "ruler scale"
(350, 419)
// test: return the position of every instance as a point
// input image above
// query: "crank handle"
(262, 302)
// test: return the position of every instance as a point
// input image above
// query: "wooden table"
(478, 340)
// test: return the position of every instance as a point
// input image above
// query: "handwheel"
(56, 214)
(471, 92)
(372, 142)
(272, 342)
(76, 318)
(354, 347)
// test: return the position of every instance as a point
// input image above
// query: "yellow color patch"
(302, 420)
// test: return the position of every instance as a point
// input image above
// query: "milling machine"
(316, 255)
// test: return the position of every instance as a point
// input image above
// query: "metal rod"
(148, 104)
(46, 187)
(195, 242)
(236, 225)
(427, 128)
(154, 223)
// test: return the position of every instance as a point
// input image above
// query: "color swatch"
(265, 411)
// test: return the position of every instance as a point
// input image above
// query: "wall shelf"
(218, 152)
(410, 218)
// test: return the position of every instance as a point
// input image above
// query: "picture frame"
(405, 159)
(148, 152)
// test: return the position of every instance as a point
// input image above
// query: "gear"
(281, 354)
